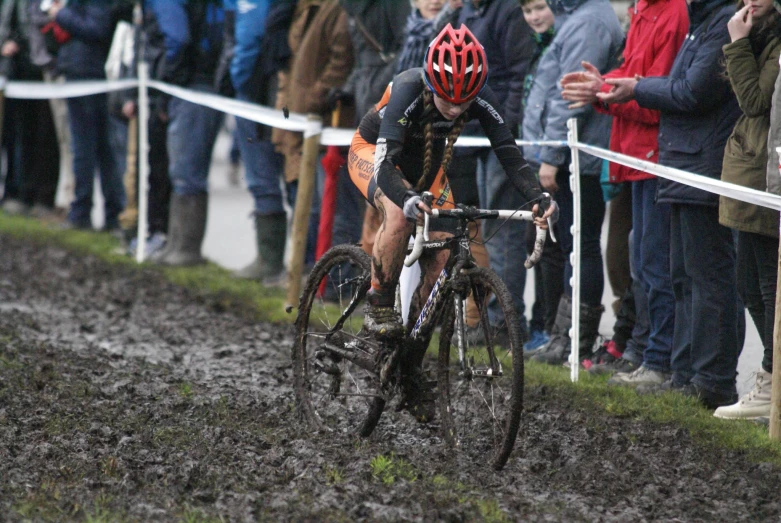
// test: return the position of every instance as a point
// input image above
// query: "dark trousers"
(651, 258)
(592, 279)
(757, 273)
(33, 152)
(617, 251)
(702, 264)
(548, 282)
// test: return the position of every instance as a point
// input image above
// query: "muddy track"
(124, 396)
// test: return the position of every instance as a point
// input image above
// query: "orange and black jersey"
(396, 126)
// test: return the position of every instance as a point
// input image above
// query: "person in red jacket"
(656, 32)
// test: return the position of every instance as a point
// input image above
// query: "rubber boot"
(270, 235)
(557, 351)
(187, 223)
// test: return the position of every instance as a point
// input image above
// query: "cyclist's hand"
(545, 211)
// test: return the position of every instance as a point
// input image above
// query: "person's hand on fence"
(54, 9)
(739, 26)
(548, 177)
(129, 109)
(623, 90)
(581, 87)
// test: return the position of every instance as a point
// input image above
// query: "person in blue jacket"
(698, 113)
(192, 34)
(259, 50)
(91, 26)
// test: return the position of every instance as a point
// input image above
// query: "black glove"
(336, 95)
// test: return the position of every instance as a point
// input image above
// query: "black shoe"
(711, 400)
(661, 388)
(381, 318)
(614, 367)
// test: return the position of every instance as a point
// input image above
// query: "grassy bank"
(267, 304)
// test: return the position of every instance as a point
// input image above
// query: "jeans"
(506, 248)
(91, 145)
(192, 131)
(263, 167)
(702, 264)
(651, 258)
(350, 207)
(592, 279)
(757, 273)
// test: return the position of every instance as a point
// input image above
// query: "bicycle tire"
(474, 420)
(319, 394)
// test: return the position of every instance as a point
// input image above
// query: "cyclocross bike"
(344, 377)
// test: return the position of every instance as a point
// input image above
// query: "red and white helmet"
(456, 67)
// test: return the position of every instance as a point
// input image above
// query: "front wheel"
(336, 386)
(481, 386)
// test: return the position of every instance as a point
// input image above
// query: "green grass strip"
(590, 392)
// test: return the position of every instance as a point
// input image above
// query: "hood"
(564, 6)
(700, 10)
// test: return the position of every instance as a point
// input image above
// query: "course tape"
(343, 137)
(699, 181)
(45, 91)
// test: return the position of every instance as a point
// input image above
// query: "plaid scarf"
(418, 34)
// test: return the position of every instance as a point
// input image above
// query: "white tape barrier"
(699, 181)
(47, 91)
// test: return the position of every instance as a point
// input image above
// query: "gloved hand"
(411, 210)
(336, 94)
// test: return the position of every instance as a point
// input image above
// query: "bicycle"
(344, 377)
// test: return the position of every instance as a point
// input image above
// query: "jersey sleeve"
(504, 146)
(404, 97)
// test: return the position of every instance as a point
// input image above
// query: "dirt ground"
(123, 397)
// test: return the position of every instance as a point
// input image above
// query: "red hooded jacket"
(657, 30)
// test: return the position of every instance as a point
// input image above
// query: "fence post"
(574, 182)
(301, 212)
(143, 157)
(775, 391)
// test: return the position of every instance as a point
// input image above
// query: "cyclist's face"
(449, 110)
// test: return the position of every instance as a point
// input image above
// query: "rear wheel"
(481, 400)
(333, 359)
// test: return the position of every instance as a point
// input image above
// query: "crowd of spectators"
(691, 84)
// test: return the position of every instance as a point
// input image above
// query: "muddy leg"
(390, 245)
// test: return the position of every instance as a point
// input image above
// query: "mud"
(125, 398)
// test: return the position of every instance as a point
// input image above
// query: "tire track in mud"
(122, 393)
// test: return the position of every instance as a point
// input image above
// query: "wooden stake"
(775, 394)
(301, 212)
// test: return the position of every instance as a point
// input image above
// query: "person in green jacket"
(752, 67)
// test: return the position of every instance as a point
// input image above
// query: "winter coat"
(91, 26)
(385, 21)
(657, 30)
(585, 30)
(322, 60)
(192, 35)
(698, 107)
(774, 140)
(509, 45)
(745, 156)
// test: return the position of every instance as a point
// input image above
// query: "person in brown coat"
(322, 60)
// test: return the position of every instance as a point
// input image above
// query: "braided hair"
(427, 179)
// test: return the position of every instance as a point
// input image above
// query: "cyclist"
(404, 145)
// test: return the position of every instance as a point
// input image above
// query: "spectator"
(91, 26)
(585, 30)
(322, 61)
(500, 26)
(192, 36)
(698, 113)
(752, 69)
(377, 32)
(549, 272)
(424, 22)
(32, 153)
(657, 30)
(261, 51)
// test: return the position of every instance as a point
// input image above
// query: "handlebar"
(471, 213)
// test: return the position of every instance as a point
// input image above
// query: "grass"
(388, 469)
(268, 304)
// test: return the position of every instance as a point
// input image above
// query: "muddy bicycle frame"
(460, 259)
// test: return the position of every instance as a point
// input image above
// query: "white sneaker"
(755, 404)
(641, 376)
